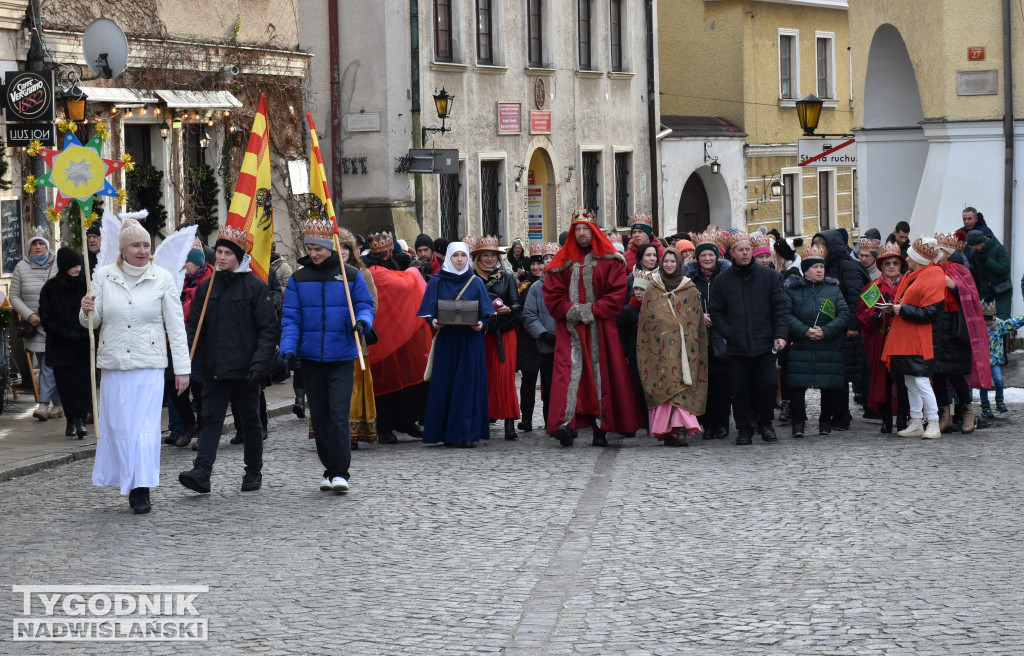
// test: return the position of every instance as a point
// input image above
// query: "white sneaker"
(915, 428)
(339, 484)
(932, 432)
(325, 485)
(56, 412)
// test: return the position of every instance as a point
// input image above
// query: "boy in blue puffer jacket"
(997, 330)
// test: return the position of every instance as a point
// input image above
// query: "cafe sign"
(28, 96)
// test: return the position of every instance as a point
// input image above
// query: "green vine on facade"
(201, 187)
(145, 191)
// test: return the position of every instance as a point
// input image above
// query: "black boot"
(142, 504)
(510, 429)
(824, 427)
(69, 430)
(886, 423)
(525, 425)
(565, 435)
(600, 438)
(299, 407)
(798, 428)
(80, 427)
(196, 480)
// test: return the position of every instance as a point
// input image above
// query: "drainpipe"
(414, 94)
(335, 57)
(1007, 129)
(652, 119)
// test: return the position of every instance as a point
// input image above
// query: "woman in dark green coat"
(817, 327)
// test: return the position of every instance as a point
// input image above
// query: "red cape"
(601, 246)
(399, 358)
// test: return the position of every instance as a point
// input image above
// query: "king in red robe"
(584, 290)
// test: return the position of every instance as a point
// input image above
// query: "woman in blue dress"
(457, 401)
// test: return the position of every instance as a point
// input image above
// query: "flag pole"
(348, 297)
(202, 315)
(92, 336)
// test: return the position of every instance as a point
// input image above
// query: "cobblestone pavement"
(855, 543)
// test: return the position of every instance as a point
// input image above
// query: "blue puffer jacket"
(315, 323)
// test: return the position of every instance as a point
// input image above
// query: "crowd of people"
(667, 335)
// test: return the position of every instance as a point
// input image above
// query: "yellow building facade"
(748, 63)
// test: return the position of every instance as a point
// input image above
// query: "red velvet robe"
(874, 341)
(578, 397)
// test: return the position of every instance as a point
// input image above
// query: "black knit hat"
(67, 258)
(424, 240)
(232, 246)
(440, 245)
(94, 230)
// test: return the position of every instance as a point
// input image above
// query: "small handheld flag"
(871, 295)
(828, 308)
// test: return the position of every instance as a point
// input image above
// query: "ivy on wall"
(201, 200)
(145, 191)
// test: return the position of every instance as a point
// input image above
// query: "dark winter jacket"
(67, 341)
(852, 277)
(707, 289)
(916, 365)
(315, 320)
(537, 320)
(239, 332)
(815, 364)
(991, 267)
(750, 309)
(628, 322)
(527, 355)
(505, 288)
(951, 343)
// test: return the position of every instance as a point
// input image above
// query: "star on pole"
(78, 172)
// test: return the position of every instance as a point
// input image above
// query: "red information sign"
(509, 121)
(540, 122)
(976, 53)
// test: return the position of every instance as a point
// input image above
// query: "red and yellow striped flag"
(251, 205)
(318, 182)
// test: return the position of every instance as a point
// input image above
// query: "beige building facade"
(747, 63)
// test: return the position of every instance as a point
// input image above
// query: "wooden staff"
(348, 297)
(202, 315)
(92, 335)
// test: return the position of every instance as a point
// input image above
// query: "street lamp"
(808, 111)
(74, 104)
(165, 129)
(715, 166)
(443, 102)
(204, 142)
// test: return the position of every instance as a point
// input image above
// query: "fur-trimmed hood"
(796, 282)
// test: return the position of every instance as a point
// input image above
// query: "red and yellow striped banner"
(251, 205)
(317, 177)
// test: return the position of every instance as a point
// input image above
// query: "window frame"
(829, 197)
(616, 62)
(585, 34)
(598, 152)
(830, 64)
(622, 221)
(794, 193)
(437, 31)
(794, 64)
(481, 58)
(503, 220)
(538, 61)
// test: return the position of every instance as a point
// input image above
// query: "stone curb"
(50, 460)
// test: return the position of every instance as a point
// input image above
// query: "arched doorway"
(893, 148)
(541, 217)
(694, 214)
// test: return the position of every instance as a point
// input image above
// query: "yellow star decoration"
(122, 197)
(34, 148)
(103, 131)
(52, 214)
(87, 221)
(66, 126)
(129, 163)
(30, 184)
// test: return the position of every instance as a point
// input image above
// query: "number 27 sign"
(976, 53)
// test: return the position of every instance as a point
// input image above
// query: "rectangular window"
(622, 185)
(591, 180)
(443, 51)
(584, 34)
(789, 204)
(786, 66)
(449, 200)
(615, 33)
(856, 206)
(484, 45)
(825, 87)
(137, 143)
(825, 200)
(490, 198)
(535, 27)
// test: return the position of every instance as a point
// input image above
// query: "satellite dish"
(105, 48)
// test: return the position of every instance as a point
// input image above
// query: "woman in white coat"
(136, 307)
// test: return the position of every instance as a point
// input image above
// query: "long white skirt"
(128, 451)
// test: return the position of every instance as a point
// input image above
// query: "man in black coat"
(751, 312)
(238, 339)
(853, 278)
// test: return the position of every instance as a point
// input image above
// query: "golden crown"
(813, 252)
(890, 249)
(43, 233)
(536, 248)
(381, 242)
(868, 244)
(469, 241)
(760, 240)
(583, 214)
(614, 237)
(712, 236)
(641, 218)
(551, 247)
(949, 240)
(739, 237)
(486, 243)
(926, 247)
(320, 228)
(235, 235)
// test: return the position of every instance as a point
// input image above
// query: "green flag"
(871, 295)
(828, 308)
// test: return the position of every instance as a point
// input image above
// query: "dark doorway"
(694, 214)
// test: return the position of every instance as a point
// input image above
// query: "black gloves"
(290, 361)
(548, 338)
(359, 327)
(253, 377)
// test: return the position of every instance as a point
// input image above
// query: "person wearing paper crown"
(875, 325)
(317, 328)
(817, 325)
(909, 348)
(528, 357)
(641, 231)
(134, 304)
(238, 340)
(584, 290)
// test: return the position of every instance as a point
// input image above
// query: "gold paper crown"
(949, 240)
(42, 233)
(890, 249)
(235, 235)
(381, 242)
(641, 218)
(583, 214)
(988, 306)
(712, 236)
(868, 244)
(551, 247)
(320, 229)
(487, 243)
(813, 252)
(536, 249)
(925, 248)
(760, 240)
(470, 241)
(739, 237)
(614, 237)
